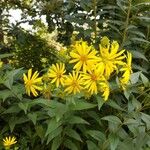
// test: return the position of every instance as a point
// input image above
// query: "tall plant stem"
(95, 22)
(127, 22)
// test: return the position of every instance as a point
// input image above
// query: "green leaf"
(146, 119)
(127, 93)
(5, 55)
(114, 140)
(54, 133)
(95, 116)
(81, 105)
(45, 102)
(112, 119)
(122, 133)
(70, 145)
(91, 145)
(16, 120)
(121, 6)
(134, 77)
(60, 110)
(10, 77)
(100, 101)
(139, 40)
(76, 120)
(52, 125)
(4, 94)
(137, 105)
(33, 117)
(73, 134)
(12, 109)
(130, 121)
(136, 33)
(141, 140)
(23, 106)
(137, 54)
(144, 80)
(12, 123)
(113, 104)
(97, 135)
(138, 67)
(147, 19)
(40, 131)
(56, 143)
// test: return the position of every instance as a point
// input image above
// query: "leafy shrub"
(73, 122)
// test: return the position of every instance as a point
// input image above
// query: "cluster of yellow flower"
(91, 70)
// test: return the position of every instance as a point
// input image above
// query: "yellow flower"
(73, 83)
(56, 73)
(32, 82)
(92, 78)
(104, 88)
(83, 55)
(8, 141)
(127, 71)
(109, 56)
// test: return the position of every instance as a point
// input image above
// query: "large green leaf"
(81, 105)
(146, 119)
(134, 78)
(137, 54)
(76, 120)
(33, 117)
(97, 135)
(113, 104)
(114, 140)
(12, 109)
(91, 145)
(4, 94)
(5, 55)
(23, 106)
(70, 144)
(73, 134)
(56, 143)
(113, 119)
(100, 101)
(52, 125)
(10, 77)
(54, 133)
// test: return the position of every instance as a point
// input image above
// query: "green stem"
(148, 32)
(143, 93)
(127, 22)
(95, 22)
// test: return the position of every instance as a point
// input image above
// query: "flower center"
(93, 77)
(29, 83)
(74, 84)
(83, 58)
(59, 75)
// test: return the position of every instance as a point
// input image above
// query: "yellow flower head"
(92, 78)
(8, 141)
(127, 71)
(83, 55)
(73, 83)
(104, 88)
(32, 82)
(109, 56)
(56, 73)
